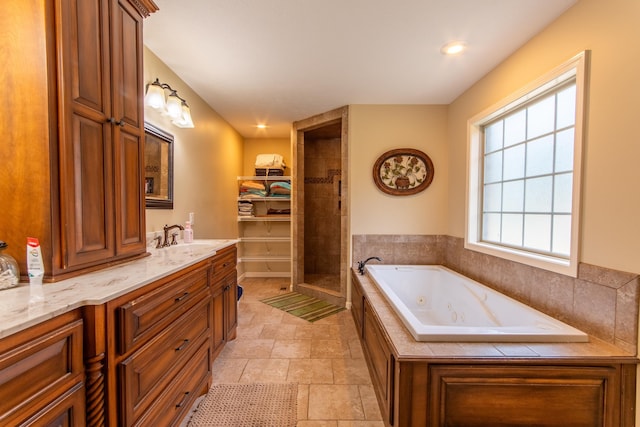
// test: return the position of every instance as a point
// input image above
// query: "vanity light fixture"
(453, 48)
(173, 105)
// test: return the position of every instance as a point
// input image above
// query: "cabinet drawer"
(143, 374)
(66, 411)
(141, 318)
(178, 398)
(224, 261)
(37, 370)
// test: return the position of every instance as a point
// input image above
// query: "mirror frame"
(151, 131)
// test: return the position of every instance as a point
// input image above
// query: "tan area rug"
(248, 405)
(303, 306)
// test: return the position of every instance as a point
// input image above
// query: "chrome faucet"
(168, 228)
(361, 264)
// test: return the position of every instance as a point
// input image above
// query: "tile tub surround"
(600, 301)
(18, 311)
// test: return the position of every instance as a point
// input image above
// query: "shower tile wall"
(322, 213)
(600, 301)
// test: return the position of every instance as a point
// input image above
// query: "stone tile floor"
(324, 358)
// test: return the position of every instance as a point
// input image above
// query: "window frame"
(576, 67)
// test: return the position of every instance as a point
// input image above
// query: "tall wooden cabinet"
(76, 153)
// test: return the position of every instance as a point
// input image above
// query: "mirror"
(158, 177)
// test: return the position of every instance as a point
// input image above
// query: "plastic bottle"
(187, 233)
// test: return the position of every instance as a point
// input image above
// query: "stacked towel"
(280, 189)
(269, 165)
(245, 208)
(252, 190)
(269, 161)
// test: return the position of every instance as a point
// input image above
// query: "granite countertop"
(407, 348)
(24, 306)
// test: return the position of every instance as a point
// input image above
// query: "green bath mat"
(303, 306)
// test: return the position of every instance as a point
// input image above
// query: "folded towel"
(252, 184)
(269, 161)
(245, 208)
(280, 184)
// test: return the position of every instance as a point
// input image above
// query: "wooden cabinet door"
(357, 306)
(231, 306)
(127, 112)
(101, 149)
(218, 323)
(85, 150)
(381, 361)
(507, 395)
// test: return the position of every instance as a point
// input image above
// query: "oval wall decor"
(403, 171)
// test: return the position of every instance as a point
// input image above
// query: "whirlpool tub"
(438, 304)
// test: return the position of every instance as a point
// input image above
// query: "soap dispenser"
(9, 271)
(187, 233)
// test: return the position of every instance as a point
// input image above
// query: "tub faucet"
(361, 264)
(168, 228)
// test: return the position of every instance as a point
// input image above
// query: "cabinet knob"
(113, 121)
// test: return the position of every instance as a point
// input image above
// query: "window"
(524, 173)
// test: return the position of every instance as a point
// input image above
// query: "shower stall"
(319, 210)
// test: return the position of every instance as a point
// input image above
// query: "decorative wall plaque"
(403, 171)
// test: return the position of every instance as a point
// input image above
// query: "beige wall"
(611, 200)
(207, 160)
(375, 129)
(255, 146)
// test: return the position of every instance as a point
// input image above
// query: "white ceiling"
(278, 61)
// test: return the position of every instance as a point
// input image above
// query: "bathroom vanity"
(129, 345)
(490, 383)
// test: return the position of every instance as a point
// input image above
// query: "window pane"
(514, 162)
(538, 193)
(493, 197)
(493, 137)
(564, 150)
(493, 167)
(562, 193)
(512, 229)
(537, 232)
(561, 234)
(528, 160)
(540, 117)
(514, 128)
(566, 107)
(540, 156)
(513, 200)
(491, 227)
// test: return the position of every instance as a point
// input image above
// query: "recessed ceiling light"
(453, 48)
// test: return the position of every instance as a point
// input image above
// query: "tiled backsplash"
(600, 301)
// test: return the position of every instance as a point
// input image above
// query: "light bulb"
(174, 106)
(155, 96)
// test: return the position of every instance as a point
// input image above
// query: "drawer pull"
(181, 297)
(184, 400)
(225, 264)
(183, 345)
